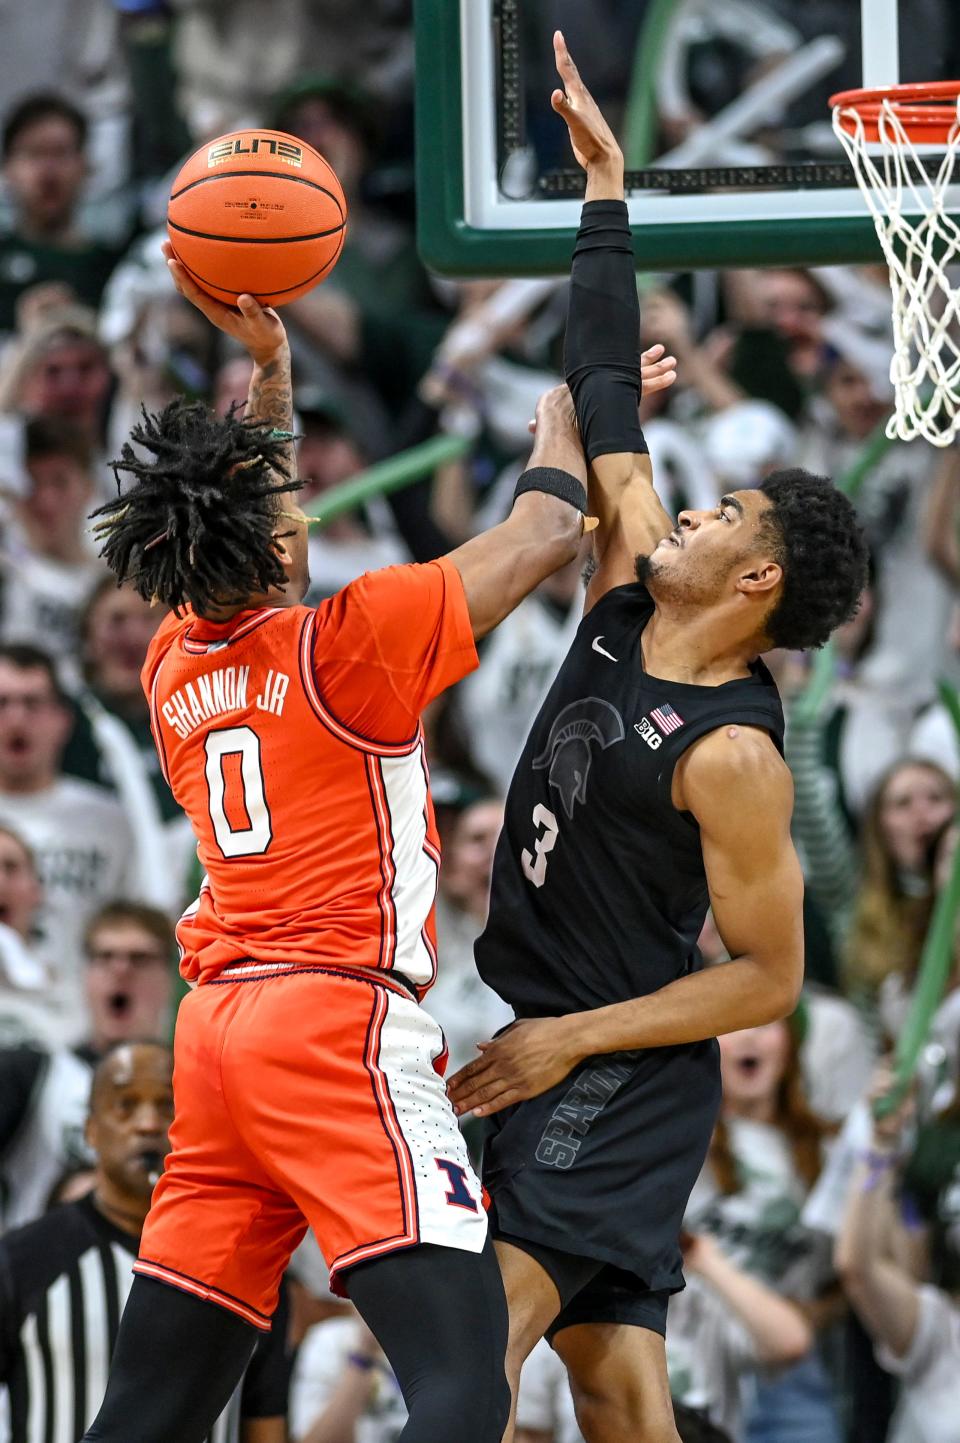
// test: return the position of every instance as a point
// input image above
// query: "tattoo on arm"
(270, 400)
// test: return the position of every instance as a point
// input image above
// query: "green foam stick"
(640, 116)
(390, 475)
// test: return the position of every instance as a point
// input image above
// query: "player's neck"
(694, 647)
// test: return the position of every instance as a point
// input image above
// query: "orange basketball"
(257, 211)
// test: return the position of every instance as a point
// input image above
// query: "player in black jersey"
(651, 787)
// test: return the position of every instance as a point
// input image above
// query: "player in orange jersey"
(308, 1078)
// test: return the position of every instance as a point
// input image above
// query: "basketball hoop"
(887, 134)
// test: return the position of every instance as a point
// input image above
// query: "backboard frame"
(450, 189)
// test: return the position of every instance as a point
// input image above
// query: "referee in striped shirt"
(64, 1279)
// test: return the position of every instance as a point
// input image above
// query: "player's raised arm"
(603, 364)
(261, 332)
(544, 528)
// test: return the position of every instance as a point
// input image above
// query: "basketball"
(257, 211)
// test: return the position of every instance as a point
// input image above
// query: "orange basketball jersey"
(291, 738)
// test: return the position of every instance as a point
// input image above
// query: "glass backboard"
(721, 108)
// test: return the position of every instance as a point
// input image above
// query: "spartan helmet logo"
(567, 752)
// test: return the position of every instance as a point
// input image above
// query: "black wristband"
(555, 483)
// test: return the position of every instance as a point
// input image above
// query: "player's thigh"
(218, 1227)
(335, 1088)
(618, 1378)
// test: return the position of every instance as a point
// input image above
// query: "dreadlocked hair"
(197, 525)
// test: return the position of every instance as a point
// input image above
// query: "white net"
(920, 240)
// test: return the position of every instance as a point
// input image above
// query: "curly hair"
(813, 532)
(197, 526)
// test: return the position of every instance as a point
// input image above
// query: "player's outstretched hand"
(594, 143)
(529, 1058)
(258, 328)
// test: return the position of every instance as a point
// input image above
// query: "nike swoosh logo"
(602, 650)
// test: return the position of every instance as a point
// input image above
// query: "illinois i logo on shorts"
(458, 1195)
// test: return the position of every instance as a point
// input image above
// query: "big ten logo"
(284, 150)
(650, 736)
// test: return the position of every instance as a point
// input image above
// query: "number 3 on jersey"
(535, 868)
(247, 799)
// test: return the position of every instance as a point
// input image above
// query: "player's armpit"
(631, 520)
(740, 790)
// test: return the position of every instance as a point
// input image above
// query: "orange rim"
(919, 108)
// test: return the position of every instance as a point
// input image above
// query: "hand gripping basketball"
(258, 328)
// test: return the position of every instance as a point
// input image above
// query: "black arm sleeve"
(602, 351)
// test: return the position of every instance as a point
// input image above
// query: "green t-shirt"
(85, 268)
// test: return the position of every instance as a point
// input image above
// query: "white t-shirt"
(85, 854)
(27, 1013)
(761, 1227)
(709, 1353)
(838, 1054)
(323, 1359)
(929, 1372)
(935, 737)
(42, 599)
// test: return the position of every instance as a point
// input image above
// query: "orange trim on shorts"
(204, 1291)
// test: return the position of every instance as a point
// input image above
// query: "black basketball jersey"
(599, 891)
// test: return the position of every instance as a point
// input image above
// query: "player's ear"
(760, 579)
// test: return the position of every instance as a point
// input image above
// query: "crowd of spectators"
(822, 1246)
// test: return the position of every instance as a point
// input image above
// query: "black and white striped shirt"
(64, 1280)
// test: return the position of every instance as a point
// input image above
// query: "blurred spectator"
(765, 1157)
(835, 1047)
(468, 1011)
(45, 168)
(907, 812)
(915, 1327)
(64, 1278)
(908, 647)
(379, 268)
(26, 1013)
(112, 745)
(48, 565)
(128, 987)
(61, 371)
(79, 834)
(328, 454)
(343, 1387)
